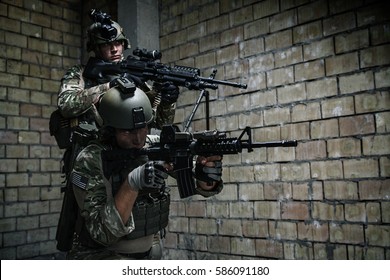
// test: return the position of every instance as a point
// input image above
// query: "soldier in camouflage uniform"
(123, 206)
(77, 120)
(79, 97)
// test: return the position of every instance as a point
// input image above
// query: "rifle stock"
(180, 148)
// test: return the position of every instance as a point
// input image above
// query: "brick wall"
(38, 40)
(318, 72)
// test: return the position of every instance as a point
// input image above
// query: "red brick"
(341, 190)
(346, 233)
(314, 231)
(357, 125)
(269, 248)
(361, 168)
(374, 189)
(295, 211)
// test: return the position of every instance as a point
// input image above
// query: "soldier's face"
(134, 138)
(112, 51)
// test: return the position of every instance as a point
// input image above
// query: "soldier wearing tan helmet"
(124, 207)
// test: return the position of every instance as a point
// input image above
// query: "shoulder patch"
(79, 180)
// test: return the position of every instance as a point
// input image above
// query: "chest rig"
(151, 209)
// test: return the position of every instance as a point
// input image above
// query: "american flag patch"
(79, 180)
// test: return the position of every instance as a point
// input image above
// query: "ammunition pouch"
(80, 137)
(150, 214)
(83, 134)
(71, 130)
(61, 128)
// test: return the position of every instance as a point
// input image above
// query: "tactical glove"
(208, 174)
(150, 175)
(169, 92)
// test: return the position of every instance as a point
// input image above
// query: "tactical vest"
(151, 209)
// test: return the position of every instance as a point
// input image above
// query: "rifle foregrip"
(219, 147)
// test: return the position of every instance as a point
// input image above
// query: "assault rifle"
(179, 148)
(82, 134)
(145, 68)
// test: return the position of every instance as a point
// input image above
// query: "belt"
(138, 256)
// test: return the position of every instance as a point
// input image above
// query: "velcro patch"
(79, 180)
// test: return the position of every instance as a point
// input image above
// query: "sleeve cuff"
(115, 224)
(216, 190)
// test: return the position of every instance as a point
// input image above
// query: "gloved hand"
(169, 92)
(206, 172)
(126, 76)
(150, 175)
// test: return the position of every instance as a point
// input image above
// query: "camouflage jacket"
(101, 218)
(94, 196)
(78, 95)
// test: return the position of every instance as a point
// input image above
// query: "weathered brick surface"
(317, 71)
(33, 53)
(346, 233)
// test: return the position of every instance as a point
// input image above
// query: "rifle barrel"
(226, 83)
(283, 143)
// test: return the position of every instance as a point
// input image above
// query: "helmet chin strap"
(97, 52)
(98, 118)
